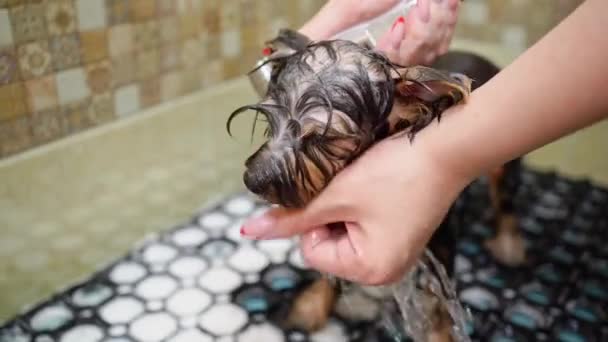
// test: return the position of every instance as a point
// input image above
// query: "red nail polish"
(401, 20)
(267, 51)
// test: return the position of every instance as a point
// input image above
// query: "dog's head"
(326, 103)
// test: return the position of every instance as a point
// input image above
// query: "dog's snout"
(255, 183)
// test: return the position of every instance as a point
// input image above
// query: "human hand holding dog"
(391, 199)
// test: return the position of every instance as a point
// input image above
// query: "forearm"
(553, 89)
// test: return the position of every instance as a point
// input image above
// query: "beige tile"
(65, 51)
(72, 85)
(169, 57)
(15, 136)
(147, 64)
(93, 45)
(123, 69)
(193, 53)
(189, 25)
(166, 7)
(119, 11)
(60, 17)
(78, 115)
(91, 14)
(48, 125)
(41, 93)
(28, 22)
(170, 85)
(120, 39)
(99, 76)
(103, 107)
(34, 59)
(12, 101)
(143, 9)
(146, 35)
(169, 30)
(149, 92)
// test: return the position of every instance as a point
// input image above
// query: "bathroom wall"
(67, 65)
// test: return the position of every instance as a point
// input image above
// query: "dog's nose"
(256, 184)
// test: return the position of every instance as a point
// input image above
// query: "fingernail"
(400, 20)
(258, 228)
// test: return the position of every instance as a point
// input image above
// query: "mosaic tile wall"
(66, 65)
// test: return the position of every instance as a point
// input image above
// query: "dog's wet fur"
(329, 101)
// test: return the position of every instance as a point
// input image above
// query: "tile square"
(72, 85)
(126, 99)
(143, 9)
(147, 64)
(91, 14)
(60, 17)
(165, 7)
(48, 125)
(150, 92)
(6, 32)
(211, 21)
(231, 43)
(192, 53)
(189, 6)
(190, 81)
(123, 69)
(41, 93)
(12, 101)
(78, 115)
(99, 76)
(211, 73)
(169, 57)
(146, 35)
(169, 30)
(120, 39)
(189, 25)
(119, 11)
(170, 85)
(65, 51)
(15, 136)
(102, 107)
(213, 45)
(9, 68)
(93, 45)
(34, 59)
(230, 13)
(28, 22)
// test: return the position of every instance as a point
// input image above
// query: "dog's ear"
(431, 86)
(423, 94)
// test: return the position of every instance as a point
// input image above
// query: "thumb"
(278, 222)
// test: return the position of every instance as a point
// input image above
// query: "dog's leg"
(507, 246)
(313, 306)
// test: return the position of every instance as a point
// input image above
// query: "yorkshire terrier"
(326, 103)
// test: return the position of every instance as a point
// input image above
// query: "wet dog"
(328, 102)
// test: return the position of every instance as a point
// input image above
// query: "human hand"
(391, 200)
(423, 35)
